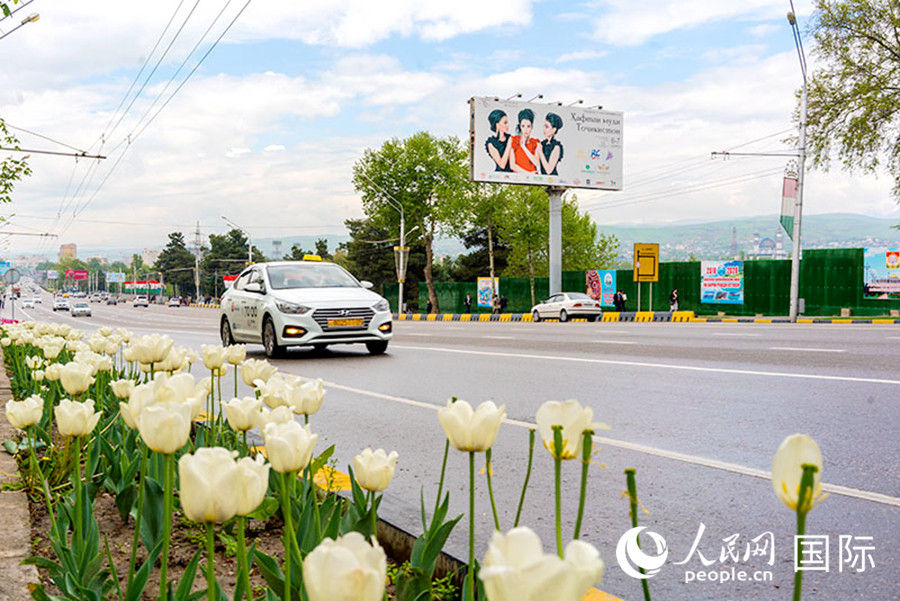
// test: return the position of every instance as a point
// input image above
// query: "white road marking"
(613, 342)
(499, 337)
(735, 468)
(893, 337)
(734, 334)
(720, 370)
(807, 350)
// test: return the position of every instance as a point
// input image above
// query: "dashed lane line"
(807, 349)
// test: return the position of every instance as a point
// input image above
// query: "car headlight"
(382, 305)
(291, 308)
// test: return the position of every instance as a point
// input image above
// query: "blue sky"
(267, 130)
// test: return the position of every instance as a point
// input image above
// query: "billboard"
(76, 274)
(722, 282)
(601, 285)
(544, 144)
(881, 273)
(646, 262)
(115, 277)
(142, 286)
(51, 274)
(484, 291)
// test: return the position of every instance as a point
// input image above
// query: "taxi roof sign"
(312, 258)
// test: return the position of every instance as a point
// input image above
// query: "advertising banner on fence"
(601, 285)
(788, 200)
(4, 267)
(881, 273)
(722, 282)
(545, 144)
(115, 277)
(142, 286)
(52, 275)
(76, 274)
(484, 291)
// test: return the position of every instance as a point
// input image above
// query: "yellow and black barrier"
(638, 317)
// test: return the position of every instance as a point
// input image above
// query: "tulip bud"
(209, 485)
(253, 483)
(242, 413)
(374, 470)
(470, 430)
(76, 377)
(52, 372)
(787, 470)
(27, 412)
(289, 446)
(346, 568)
(37, 375)
(235, 353)
(165, 427)
(515, 568)
(5, 341)
(213, 355)
(256, 369)
(74, 418)
(574, 420)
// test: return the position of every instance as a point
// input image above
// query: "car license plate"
(338, 323)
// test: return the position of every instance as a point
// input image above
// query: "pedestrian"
(503, 302)
(495, 304)
(673, 300)
(468, 303)
(624, 299)
(428, 306)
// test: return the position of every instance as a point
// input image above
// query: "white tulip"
(306, 398)
(256, 369)
(787, 471)
(235, 354)
(122, 388)
(165, 427)
(515, 568)
(344, 569)
(213, 355)
(289, 446)
(74, 418)
(76, 377)
(278, 415)
(27, 412)
(51, 373)
(209, 485)
(374, 470)
(37, 375)
(276, 392)
(253, 483)
(574, 420)
(468, 429)
(105, 331)
(242, 414)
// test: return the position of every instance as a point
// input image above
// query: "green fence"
(830, 279)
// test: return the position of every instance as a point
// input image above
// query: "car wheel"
(270, 340)
(563, 316)
(535, 316)
(377, 347)
(225, 331)
(592, 317)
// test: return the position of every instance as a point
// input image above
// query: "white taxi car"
(303, 303)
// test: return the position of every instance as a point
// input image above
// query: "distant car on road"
(141, 301)
(81, 308)
(28, 303)
(111, 300)
(174, 302)
(566, 305)
(303, 303)
(60, 304)
(96, 298)
(37, 299)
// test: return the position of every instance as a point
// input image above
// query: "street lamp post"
(798, 204)
(249, 243)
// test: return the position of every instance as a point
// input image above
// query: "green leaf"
(266, 510)
(187, 579)
(271, 572)
(11, 447)
(125, 501)
(152, 520)
(139, 582)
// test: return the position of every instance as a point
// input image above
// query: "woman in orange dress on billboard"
(525, 148)
(551, 148)
(497, 146)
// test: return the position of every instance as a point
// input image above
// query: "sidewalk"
(15, 521)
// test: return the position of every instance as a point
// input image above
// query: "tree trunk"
(491, 255)
(531, 276)
(428, 237)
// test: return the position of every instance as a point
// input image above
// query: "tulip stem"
(631, 484)
(373, 516)
(210, 563)
(169, 477)
(286, 480)
(586, 446)
(79, 510)
(243, 563)
(235, 381)
(487, 473)
(557, 478)
(527, 476)
(140, 511)
(470, 578)
(437, 500)
(804, 498)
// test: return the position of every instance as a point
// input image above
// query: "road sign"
(646, 262)
(12, 276)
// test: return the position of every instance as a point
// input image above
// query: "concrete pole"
(402, 246)
(555, 239)
(798, 210)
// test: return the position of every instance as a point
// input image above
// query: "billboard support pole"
(639, 296)
(555, 274)
(650, 298)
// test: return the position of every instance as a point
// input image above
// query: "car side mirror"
(366, 284)
(254, 287)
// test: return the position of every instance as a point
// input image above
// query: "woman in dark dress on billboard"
(497, 146)
(551, 149)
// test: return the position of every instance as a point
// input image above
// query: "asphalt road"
(698, 409)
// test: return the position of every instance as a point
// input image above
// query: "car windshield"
(80, 305)
(309, 275)
(578, 296)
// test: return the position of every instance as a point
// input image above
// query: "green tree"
(11, 169)
(484, 244)
(298, 252)
(425, 175)
(227, 255)
(854, 97)
(176, 263)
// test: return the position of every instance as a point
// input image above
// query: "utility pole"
(198, 246)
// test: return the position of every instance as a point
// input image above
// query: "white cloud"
(764, 30)
(274, 148)
(582, 55)
(236, 152)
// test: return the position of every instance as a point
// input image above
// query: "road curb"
(639, 317)
(15, 520)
